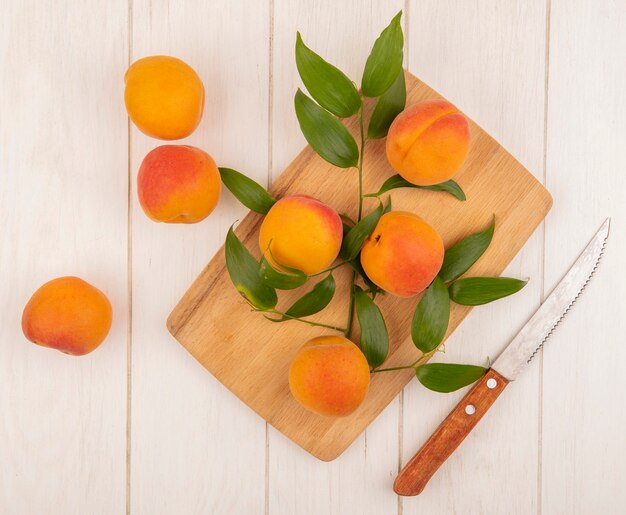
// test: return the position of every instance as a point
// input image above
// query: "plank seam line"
(400, 446)
(270, 95)
(270, 164)
(407, 50)
(543, 256)
(407, 20)
(129, 274)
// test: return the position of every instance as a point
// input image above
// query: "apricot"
(164, 97)
(178, 184)
(330, 376)
(403, 255)
(67, 314)
(428, 142)
(301, 232)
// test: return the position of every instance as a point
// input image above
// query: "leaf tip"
(299, 43)
(298, 98)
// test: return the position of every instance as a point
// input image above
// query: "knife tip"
(605, 227)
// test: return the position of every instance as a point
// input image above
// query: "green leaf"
(450, 187)
(282, 266)
(448, 377)
(328, 85)
(345, 228)
(474, 291)
(325, 133)
(315, 300)
(387, 207)
(249, 193)
(385, 60)
(282, 280)
(245, 274)
(374, 337)
(396, 181)
(389, 105)
(463, 254)
(356, 237)
(431, 317)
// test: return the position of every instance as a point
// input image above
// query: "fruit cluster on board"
(389, 252)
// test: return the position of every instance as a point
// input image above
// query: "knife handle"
(449, 435)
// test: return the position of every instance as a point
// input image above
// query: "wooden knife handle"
(449, 435)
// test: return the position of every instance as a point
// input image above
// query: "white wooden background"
(138, 426)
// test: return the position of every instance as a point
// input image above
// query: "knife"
(453, 430)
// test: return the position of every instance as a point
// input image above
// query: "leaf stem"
(304, 321)
(419, 361)
(351, 305)
(362, 153)
(360, 170)
(329, 269)
(376, 370)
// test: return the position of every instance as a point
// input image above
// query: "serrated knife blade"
(453, 430)
(537, 330)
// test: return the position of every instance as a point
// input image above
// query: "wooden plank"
(583, 445)
(63, 210)
(490, 62)
(214, 323)
(193, 443)
(360, 480)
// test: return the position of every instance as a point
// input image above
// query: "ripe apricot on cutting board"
(330, 376)
(403, 254)
(428, 142)
(178, 184)
(301, 232)
(67, 314)
(164, 97)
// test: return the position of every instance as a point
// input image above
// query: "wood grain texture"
(216, 326)
(193, 444)
(359, 481)
(490, 61)
(583, 444)
(63, 211)
(450, 434)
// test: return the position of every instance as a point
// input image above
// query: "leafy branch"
(333, 96)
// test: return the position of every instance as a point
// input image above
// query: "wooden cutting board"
(251, 355)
